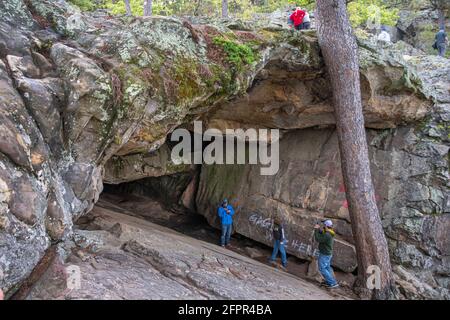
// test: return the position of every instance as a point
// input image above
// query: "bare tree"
(128, 7)
(340, 53)
(148, 8)
(224, 8)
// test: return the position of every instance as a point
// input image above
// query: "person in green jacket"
(325, 237)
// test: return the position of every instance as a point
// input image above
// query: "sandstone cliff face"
(90, 98)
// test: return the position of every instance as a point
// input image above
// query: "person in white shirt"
(384, 36)
(306, 21)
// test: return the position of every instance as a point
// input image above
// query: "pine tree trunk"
(340, 53)
(148, 8)
(128, 7)
(224, 8)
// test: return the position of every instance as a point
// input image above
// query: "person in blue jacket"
(225, 213)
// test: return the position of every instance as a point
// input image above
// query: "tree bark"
(224, 8)
(128, 7)
(148, 8)
(340, 53)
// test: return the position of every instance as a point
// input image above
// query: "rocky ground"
(196, 226)
(125, 257)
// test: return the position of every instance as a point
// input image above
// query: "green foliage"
(362, 11)
(237, 54)
(88, 5)
(270, 6)
(118, 7)
(237, 8)
(169, 7)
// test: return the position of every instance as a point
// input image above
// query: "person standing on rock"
(441, 42)
(279, 241)
(325, 237)
(225, 213)
(297, 18)
(384, 36)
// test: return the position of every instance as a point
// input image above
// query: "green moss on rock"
(238, 55)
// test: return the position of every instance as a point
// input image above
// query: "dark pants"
(226, 234)
(305, 25)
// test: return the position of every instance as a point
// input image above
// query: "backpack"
(435, 47)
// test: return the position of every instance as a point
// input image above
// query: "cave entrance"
(158, 200)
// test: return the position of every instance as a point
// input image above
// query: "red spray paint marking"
(345, 204)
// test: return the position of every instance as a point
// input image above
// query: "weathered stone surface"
(291, 93)
(42, 96)
(138, 166)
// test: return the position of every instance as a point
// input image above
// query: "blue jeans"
(325, 269)
(226, 234)
(278, 245)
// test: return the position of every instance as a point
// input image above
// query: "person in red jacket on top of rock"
(297, 18)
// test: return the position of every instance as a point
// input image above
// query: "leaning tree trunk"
(128, 7)
(148, 8)
(340, 53)
(224, 8)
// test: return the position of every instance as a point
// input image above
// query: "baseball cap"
(328, 223)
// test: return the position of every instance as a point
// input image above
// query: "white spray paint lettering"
(295, 244)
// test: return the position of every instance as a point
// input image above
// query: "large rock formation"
(91, 98)
(81, 91)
